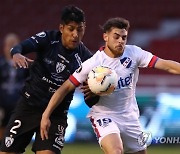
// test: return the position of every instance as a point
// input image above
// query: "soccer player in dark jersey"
(58, 55)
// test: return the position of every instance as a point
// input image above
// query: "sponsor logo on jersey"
(49, 81)
(60, 67)
(41, 34)
(52, 90)
(53, 42)
(57, 77)
(124, 82)
(48, 61)
(9, 141)
(126, 62)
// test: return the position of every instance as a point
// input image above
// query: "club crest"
(60, 67)
(126, 62)
(9, 141)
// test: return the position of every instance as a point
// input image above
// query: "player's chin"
(119, 51)
(73, 45)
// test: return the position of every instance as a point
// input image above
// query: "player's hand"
(87, 92)
(44, 127)
(21, 61)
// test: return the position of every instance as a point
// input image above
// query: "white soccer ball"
(102, 80)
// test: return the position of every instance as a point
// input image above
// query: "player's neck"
(110, 54)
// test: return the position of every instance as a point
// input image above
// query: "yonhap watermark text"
(146, 138)
(166, 140)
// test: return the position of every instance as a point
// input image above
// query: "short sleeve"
(143, 57)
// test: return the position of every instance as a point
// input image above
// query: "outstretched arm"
(168, 65)
(55, 100)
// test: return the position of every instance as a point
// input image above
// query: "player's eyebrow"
(79, 26)
(120, 34)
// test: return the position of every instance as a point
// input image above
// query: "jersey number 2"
(17, 125)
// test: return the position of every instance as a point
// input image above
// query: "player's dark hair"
(72, 13)
(117, 22)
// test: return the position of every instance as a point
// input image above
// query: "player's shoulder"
(53, 35)
(98, 55)
(132, 48)
(83, 50)
(100, 50)
(132, 51)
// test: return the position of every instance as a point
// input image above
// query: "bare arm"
(55, 100)
(168, 65)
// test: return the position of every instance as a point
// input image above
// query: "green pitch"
(85, 148)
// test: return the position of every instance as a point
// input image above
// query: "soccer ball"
(102, 80)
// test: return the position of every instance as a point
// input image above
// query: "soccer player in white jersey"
(114, 117)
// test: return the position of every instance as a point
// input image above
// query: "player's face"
(115, 41)
(72, 34)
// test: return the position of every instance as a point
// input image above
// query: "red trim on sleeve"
(74, 81)
(153, 61)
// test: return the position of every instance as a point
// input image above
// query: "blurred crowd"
(11, 81)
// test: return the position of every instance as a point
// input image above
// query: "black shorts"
(24, 122)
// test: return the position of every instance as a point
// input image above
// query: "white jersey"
(122, 101)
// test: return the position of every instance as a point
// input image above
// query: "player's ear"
(60, 28)
(105, 37)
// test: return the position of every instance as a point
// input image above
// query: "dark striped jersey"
(52, 66)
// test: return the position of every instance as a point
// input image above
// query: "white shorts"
(129, 131)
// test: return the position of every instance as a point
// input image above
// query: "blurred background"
(155, 26)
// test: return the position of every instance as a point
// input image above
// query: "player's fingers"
(88, 93)
(29, 60)
(18, 64)
(87, 97)
(42, 134)
(22, 64)
(85, 87)
(45, 125)
(85, 91)
(15, 65)
(46, 133)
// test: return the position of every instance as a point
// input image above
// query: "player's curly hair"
(72, 13)
(117, 22)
